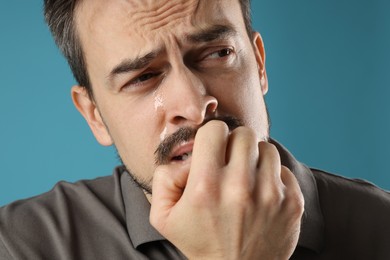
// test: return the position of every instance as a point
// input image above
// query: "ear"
(90, 112)
(260, 59)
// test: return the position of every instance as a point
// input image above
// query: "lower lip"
(182, 162)
(184, 148)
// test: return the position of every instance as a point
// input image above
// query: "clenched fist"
(231, 200)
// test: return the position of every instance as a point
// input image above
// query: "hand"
(233, 201)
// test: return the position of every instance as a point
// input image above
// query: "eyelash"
(229, 52)
(144, 77)
(140, 80)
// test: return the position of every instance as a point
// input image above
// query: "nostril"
(212, 105)
(178, 119)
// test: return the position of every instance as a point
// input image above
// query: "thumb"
(169, 182)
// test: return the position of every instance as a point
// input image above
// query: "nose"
(187, 99)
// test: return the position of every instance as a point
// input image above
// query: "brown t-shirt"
(108, 218)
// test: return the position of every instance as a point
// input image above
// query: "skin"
(187, 82)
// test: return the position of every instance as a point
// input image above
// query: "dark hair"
(60, 16)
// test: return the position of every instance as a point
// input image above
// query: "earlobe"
(260, 59)
(90, 112)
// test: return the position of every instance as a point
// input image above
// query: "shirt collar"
(137, 207)
(312, 225)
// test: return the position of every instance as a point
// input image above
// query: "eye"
(220, 53)
(143, 77)
(141, 80)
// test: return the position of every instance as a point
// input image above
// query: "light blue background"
(328, 66)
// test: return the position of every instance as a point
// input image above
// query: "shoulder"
(65, 195)
(346, 189)
(50, 220)
(356, 215)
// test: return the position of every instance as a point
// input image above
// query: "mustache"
(184, 134)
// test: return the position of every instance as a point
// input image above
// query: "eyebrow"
(216, 32)
(213, 33)
(129, 65)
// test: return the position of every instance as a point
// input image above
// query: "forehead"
(150, 16)
(114, 29)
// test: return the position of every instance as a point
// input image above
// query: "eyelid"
(135, 83)
(214, 50)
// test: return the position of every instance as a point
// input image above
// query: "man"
(177, 86)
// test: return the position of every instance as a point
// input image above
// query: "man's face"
(157, 66)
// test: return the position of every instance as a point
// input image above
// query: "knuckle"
(203, 194)
(245, 133)
(268, 155)
(268, 148)
(216, 125)
(245, 130)
(243, 139)
(285, 170)
(272, 197)
(275, 199)
(295, 205)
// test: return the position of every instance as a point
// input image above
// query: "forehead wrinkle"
(156, 17)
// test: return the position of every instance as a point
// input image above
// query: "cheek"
(133, 129)
(239, 94)
(238, 89)
(135, 145)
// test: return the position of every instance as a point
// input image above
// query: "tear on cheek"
(163, 134)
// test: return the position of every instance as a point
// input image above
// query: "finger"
(294, 201)
(169, 182)
(269, 186)
(208, 155)
(288, 178)
(242, 155)
(269, 164)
